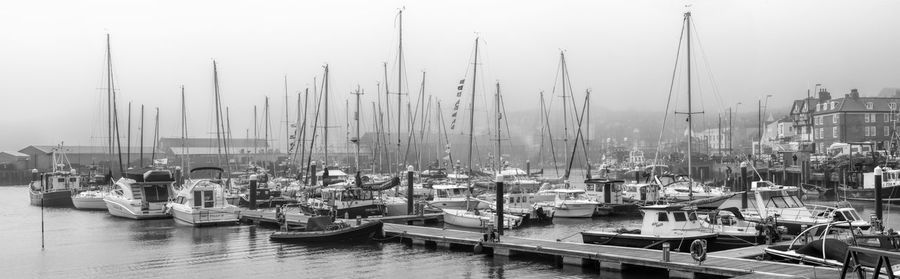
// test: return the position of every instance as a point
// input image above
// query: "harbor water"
(94, 244)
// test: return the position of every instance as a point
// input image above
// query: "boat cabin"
(449, 191)
(606, 191)
(670, 220)
(204, 194)
(346, 194)
(151, 188)
(648, 193)
(57, 181)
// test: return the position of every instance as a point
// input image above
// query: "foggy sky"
(52, 63)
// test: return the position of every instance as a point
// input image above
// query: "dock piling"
(499, 186)
(409, 190)
(879, 210)
(253, 186)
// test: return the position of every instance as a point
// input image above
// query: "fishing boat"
(54, 188)
(202, 200)
(675, 225)
(571, 203)
(611, 196)
(141, 195)
(790, 212)
(826, 245)
(478, 219)
(321, 229)
(890, 187)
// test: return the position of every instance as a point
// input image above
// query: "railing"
(852, 265)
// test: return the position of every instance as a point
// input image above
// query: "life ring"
(698, 250)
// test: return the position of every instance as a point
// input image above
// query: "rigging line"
(671, 87)
(712, 79)
(550, 136)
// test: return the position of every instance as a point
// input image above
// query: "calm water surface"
(86, 244)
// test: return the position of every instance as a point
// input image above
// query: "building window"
(870, 105)
(834, 132)
(887, 130)
(887, 117)
(834, 119)
(893, 106)
(821, 133)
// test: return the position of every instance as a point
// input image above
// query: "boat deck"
(604, 255)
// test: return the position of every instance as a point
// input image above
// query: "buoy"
(698, 250)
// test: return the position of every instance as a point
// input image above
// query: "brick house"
(853, 118)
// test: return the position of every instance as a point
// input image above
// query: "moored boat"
(321, 229)
(675, 225)
(202, 200)
(571, 203)
(141, 195)
(478, 219)
(54, 188)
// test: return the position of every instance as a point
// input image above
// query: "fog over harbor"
(54, 55)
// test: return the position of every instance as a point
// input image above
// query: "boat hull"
(357, 210)
(203, 217)
(888, 194)
(360, 233)
(89, 203)
(454, 204)
(120, 208)
(677, 243)
(575, 210)
(51, 199)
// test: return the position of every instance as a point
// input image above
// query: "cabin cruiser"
(202, 199)
(789, 211)
(90, 196)
(478, 218)
(827, 244)
(141, 195)
(345, 201)
(673, 224)
(571, 203)
(611, 196)
(452, 196)
(680, 188)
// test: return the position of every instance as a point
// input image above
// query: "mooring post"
(665, 251)
(499, 181)
(745, 184)
(253, 186)
(409, 190)
(878, 201)
(312, 172)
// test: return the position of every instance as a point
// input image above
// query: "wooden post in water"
(878, 203)
(745, 185)
(409, 190)
(499, 187)
(253, 186)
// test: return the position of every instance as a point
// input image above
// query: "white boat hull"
(463, 218)
(120, 208)
(454, 204)
(200, 217)
(577, 210)
(89, 203)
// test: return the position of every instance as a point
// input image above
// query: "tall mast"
(325, 127)
(266, 128)
(109, 104)
(156, 135)
(375, 153)
(183, 130)
(255, 133)
(303, 127)
(218, 113)
(287, 121)
(562, 64)
(142, 130)
(128, 155)
(399, 86)
(687, 17)
(498, 116)
(472, 108)
(541, 152)
(356, 117)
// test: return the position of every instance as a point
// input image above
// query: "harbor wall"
(14, 177)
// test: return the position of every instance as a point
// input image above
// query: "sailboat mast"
(109, 105)
(128, 155)
(266, 127)
(498, 116)
(142, 129)
(183, 131)
(541, 152)
(287, 121)
(218, 112)
(325, 127)
(156, 135)
(356, 117)
(687, 18)
(472, 107)
(562, 63)
(399, 87)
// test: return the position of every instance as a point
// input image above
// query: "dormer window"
(870, 105)
(893, 106)
(833, 104)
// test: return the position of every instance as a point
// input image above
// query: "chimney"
(824, 95)
(854, 94)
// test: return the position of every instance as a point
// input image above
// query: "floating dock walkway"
(294, 218)
(605, 256)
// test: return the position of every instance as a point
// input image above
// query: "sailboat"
(92, 198)
(54, 188)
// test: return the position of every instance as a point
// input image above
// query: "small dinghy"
(321, 229)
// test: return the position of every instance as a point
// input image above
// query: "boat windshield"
(571, 195)
(785, 202)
